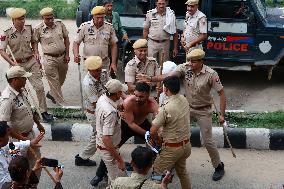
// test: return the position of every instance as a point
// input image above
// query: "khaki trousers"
(36, 81)
(155, 47)
(91, 147)
(55, 70)
(204, 120)
(174, 158)
(111, 165)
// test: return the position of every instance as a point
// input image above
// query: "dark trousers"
(126, 133)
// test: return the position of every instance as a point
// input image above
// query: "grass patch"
(270, 120)
(62, 9)
(269, 3)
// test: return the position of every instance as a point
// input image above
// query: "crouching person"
(142, 160)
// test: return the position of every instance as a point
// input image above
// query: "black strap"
(141, 184)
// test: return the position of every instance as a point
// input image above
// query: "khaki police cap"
(140, 43)
(46, 11)
(98, 10)
(195, 54)
(93, 63)
(114, 86)
(192, 2)
(17, 13)
(17, 71)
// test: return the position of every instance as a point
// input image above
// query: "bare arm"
(76, 52)
(114, 56)
(222, 101)
(16, 135)
(145, 32)
(131, 87)
(175, 50)
(7, 57)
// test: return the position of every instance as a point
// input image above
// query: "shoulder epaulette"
(7, 29)
(108, 23)
(209, 70)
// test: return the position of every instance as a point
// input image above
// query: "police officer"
(16, 109)
(109, 129)
(156, 33)
(53, 36)
(195, 27)
(199, 80)
(93, 88)
(173, 117)
(113, 18)
(97, 36)
(141, 63)
(19, 39)
(141, 160)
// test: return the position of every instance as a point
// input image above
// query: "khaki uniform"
(135, 66)
(96, 40)
(197, 91)
(134, 181)
(174, 118)
(92, 90)
(194, 25)
(20, 44)
(158, 39)
(107, 123)
(54, 50)
(16, 110)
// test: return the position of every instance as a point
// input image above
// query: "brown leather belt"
(90, 111)
(201, 107)
(175, 145)
(159, 41)
(55, 55)
(23, 60)
(26, 134)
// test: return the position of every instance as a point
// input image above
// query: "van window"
(237, 9)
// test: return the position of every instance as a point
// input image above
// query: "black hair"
(142, 87)
(8, 80)
(142, 157)
(3, 128)
(172, 83)
(104, 2)
(18, 168)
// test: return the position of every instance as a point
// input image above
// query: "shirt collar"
(195, 14)
(93, 25)
(14, 29)
(92, 78)
(45, 26)
(114, 104)
(13, 90)
(138, 176)
(139, 61)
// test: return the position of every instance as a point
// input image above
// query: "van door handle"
(214, 25)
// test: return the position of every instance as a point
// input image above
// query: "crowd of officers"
(115, 110)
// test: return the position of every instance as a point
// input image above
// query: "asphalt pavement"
(251, 169)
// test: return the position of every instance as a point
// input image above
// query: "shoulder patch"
(6, 94)
(8, 29)
(131, 62)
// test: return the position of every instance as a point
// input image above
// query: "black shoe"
(219, 172)
(96, 180)
(47, 117)
(84, 162)
(51, 98)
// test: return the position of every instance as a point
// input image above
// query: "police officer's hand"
(121, 164)
(35, 141)
(175, 52)
(166, 180)
(188, 46)
(221, 119)
(77, 58)
(37, 57)
(67, 59)
(113, 67)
